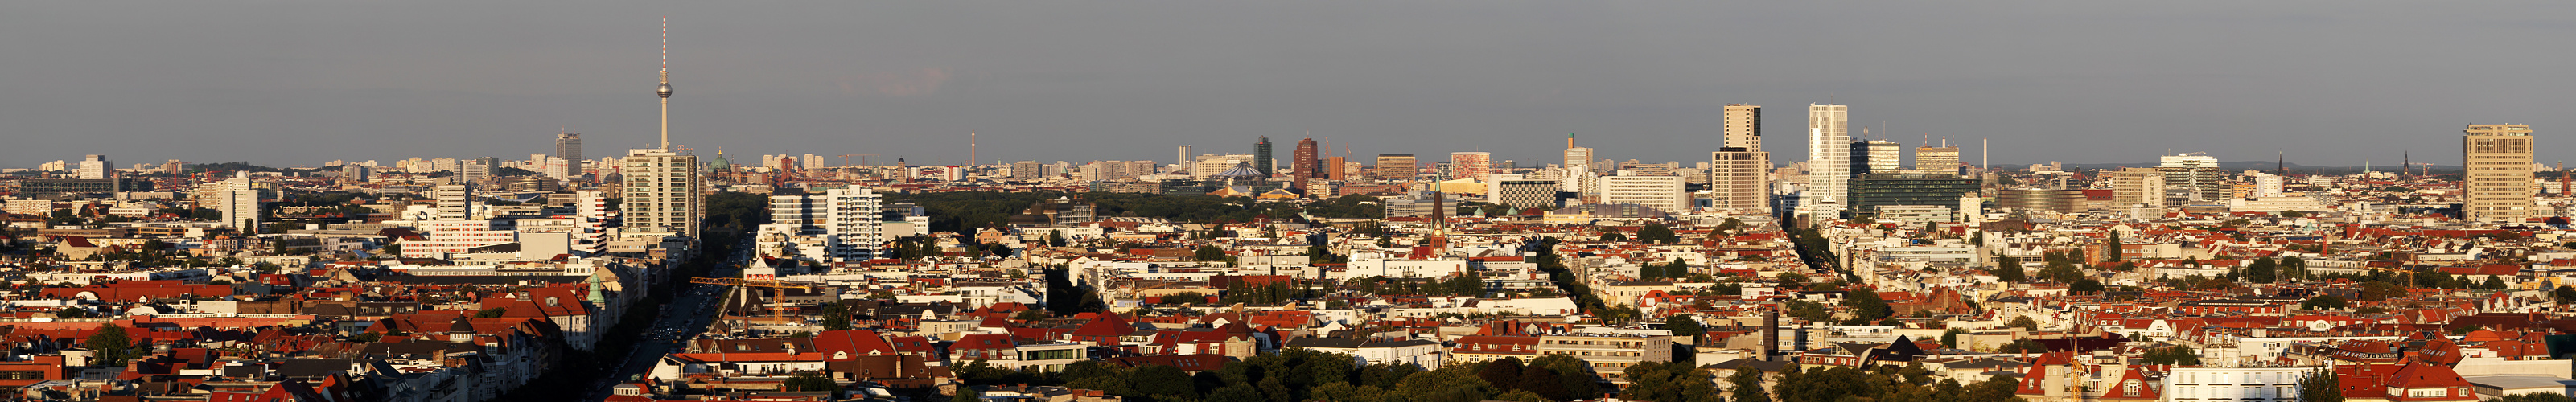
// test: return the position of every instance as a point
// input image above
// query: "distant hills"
(2268, 166)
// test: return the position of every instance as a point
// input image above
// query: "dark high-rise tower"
(1302, 167)
(568, 147)
(1261, 156)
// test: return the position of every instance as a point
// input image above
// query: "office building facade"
(2196, 172)
(1740, 181)
(1943, 159)
(1666, 193)
(1522, 193)
(568, 147)
(2497, 185)
(1261, 157)
(1828, 156)
(1743, 127)
(1470, 165)
(95, 167)
(1396, 167)
(1876, 156)
(1302, 164)
(2137, 187)
(1871, 191)
(2041, 199)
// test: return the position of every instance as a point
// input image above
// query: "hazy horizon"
(285, 83)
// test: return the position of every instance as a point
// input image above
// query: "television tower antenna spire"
(665, 90)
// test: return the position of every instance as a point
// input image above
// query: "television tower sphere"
(665, 91)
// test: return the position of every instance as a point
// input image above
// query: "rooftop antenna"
(665, 90)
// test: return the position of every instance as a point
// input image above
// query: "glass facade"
(1869, 191)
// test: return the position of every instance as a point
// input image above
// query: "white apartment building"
(239, 201)
(843, 223)
(2218, 383)
(2266, 186)
(456, 236)
(1665, 193)
(96, 167)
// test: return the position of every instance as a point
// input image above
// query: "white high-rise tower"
(1828, 152)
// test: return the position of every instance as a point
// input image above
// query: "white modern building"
(1828, 153)
(1665, 193)
(843, 223)
(239, 201)
(2226, 383)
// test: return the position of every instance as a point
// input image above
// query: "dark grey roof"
(295, 368)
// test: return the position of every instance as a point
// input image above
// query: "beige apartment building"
(2496, 186)
(1610, 354)
(1395, 167)
(1739, 181)
(2133, 186)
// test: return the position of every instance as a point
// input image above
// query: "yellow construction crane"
(778, 313)
(863, 159)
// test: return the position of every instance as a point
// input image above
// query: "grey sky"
(297, 83)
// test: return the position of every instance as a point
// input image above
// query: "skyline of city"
(901, 98)
(1446, 249)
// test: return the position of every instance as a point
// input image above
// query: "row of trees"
(1454, 285)
(1306, 375)
(1882, 383)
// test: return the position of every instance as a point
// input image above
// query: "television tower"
(665, 90)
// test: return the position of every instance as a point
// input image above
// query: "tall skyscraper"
(1302, 165)
(1828, 156)
(1261, 156)
(568, 147)
(2197, 172)
(1184, 159)
(1396, 167)
(661, 189)
(1876, 156)
(1577, 177)
(1470, 165)
(2496, 162)
(1743, 127)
